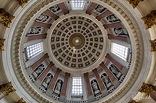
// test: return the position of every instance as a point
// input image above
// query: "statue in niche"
(120, 32)
(58, 87)
(38, 71)
(106, 81)
(54, 8)
(42, 18)
(46, 82)
(95, 87)
(100, 9)
(115, 71)
(112, 19)
(35, 30)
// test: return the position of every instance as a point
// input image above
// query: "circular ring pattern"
(77, 42)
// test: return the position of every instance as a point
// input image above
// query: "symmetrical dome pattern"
(77, 42)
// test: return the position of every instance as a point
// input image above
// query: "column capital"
(150, 19)
(5, 18)
(134, 3)
(6, 88)
(21, 101)
(132, 101)
(146, 88)
(2, 44)
(153, 45)
(22, 2)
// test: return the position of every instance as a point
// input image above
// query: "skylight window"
(33, 50)
(119, 50)
(77, 86)
(77, 4)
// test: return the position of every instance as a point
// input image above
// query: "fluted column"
(110, 75)
(63, 8)
(55, 79)
(49, 13)
(22, 2)
(65, 84)
(150, 19)
(88, 84)
(2, 44)
(99, 80)
(134, 3)
(6, 89)
(40, 24)
(153, 45)
(99, 17)
(91, 8)
(39, 61)
(34, 37)
(132, 101)
(149, 90)
(46, 71)
(120, 38)
(5, 17)
(21, 101)
(116, 63)
(107, 26)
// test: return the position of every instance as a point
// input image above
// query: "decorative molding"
(150, 19)
(116, 96)
(147, 89)
(22, 2)
(134, 3)
(132, 101)
(21, 101)
(2, 44)
(6, 88)
(153, 45)
(5, 18)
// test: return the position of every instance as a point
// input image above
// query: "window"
(119, 50)
(33, 50)
(77, 86)
(77, 4)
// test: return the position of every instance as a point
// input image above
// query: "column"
(149, 90)
(107, 26)
(120, 38)
(40, 24)
(46, 71)
(99, 80)
(34, 37)
(63, 8)
(5, 18)
(132, 101)
(110, 75)
(49, 13)
(150, 19)
(114, 62)
(2, 44)
(88, 84)
(21, 101)
(22, 2)
(39, 61)
(65, 84)
(6, 89)
(91, 8)
(99, 17)
(54, 79)
(153, 45)
(134, 3)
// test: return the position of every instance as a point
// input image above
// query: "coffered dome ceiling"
(93, 42)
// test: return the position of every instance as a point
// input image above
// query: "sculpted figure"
(35, 30)
(42, 18)
(58, 87)
(38, 71)
(120, 31)
(46, 81)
